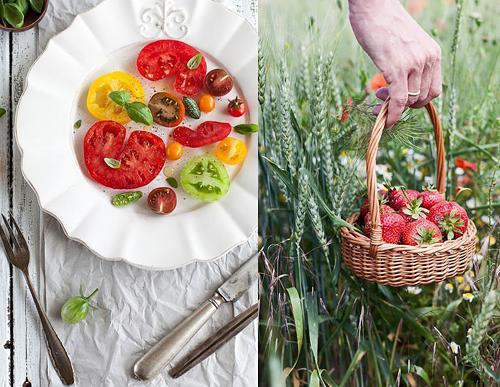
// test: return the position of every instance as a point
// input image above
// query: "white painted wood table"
(22, 351)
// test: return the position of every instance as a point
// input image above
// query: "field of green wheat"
(320, 325)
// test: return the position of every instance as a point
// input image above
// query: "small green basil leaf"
(125, 198)
(2, 11)
(37, 5)
(23, 6)
(112, 163)
(13, 15)
(2, 112)
(246, 128)
(172, 182)
(120, 97)
(139, 112)
(77, 124)
(195, 61)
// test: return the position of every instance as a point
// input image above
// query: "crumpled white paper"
(137, 307)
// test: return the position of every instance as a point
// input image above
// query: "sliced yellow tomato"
(99, 103)
(231, 151)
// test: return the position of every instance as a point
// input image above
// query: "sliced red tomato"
(140, 159)
(165, 58)
(207, 133)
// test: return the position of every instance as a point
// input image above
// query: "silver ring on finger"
(414, 93)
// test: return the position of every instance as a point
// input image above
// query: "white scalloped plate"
(108, 38)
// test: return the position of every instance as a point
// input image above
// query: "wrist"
(363, 6)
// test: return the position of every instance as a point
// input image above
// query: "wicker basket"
(401, 265)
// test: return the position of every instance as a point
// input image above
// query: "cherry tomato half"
(236, 107)
(218, 82)
(206, 103)
(174, 151)
(162, 200)
(231, 151)
(167, 109)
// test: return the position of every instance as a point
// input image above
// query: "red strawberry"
(365, 207)
(399, 198)
(384, 209)
(413, 211)
(430, 197)
(450, 217)
(392, 227)
(421, 232)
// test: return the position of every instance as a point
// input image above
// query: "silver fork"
(18, 254)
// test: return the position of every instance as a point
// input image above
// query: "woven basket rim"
(364, 241)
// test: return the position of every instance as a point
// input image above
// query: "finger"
(382, 93)
(414, 82)
(437, 82)
(435, 88)
(398, 91)
(425, 85)
(377, 108)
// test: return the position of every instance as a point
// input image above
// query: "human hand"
(409, 58)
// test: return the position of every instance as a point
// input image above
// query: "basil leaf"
(112, 163)
(2, 112)
(246, 128)
(172, 182)
(125, 198)
(120, 97)
(37, 5)
(2, 12)
(195, 61)
(23, 6)
(77, 124)
(139, 112)
(13, 15)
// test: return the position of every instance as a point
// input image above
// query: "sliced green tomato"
(205, 178)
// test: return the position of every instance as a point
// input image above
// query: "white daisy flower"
(414, 290)
(468, 297)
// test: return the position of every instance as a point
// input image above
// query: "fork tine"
(11, 232)
(6, 244)
(22, 240)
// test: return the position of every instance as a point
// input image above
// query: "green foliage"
(321, 325)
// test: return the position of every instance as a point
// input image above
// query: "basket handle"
(371, 163)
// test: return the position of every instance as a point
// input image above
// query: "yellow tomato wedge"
(99, 103)
(231, 151)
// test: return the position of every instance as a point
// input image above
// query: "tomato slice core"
(165, 58)
(141, 158)
(206, 133)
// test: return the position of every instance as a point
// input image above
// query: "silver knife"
(158, 357)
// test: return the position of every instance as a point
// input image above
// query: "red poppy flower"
(376, 82)
(346, 111)
(464, 164)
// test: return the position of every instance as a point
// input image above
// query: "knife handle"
(158, 357)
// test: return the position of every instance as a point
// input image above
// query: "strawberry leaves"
(451, 224)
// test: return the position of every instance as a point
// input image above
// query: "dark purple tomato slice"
(162, 200)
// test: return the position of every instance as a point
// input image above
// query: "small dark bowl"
(30, 20)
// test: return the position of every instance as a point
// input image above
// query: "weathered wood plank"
(5, 157)
(26, 210)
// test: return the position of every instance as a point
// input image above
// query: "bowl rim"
(27, 26)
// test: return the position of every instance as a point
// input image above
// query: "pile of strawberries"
(414, 218)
